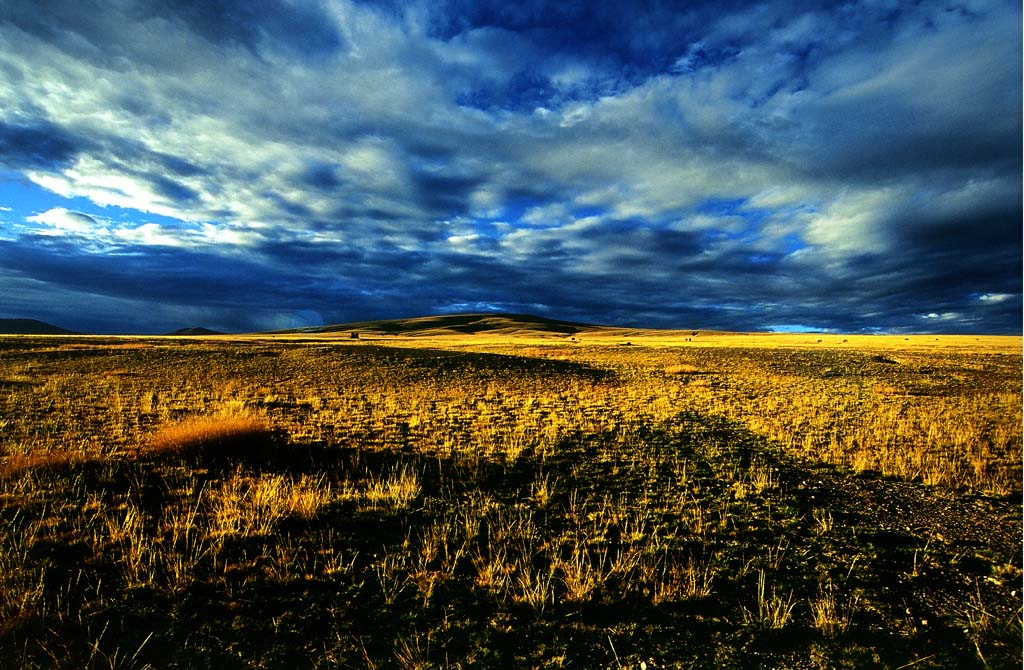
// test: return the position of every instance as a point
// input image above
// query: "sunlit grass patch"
(253, 505)
(53, 461)
(233, 433)
(682, 369)
(397, 490)
(829, 614)
(773, 609)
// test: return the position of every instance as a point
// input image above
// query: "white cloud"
(553, 214)
(230, 235)
(151, 234)
(463, 241)
(66, 221)
(944, 316)
(853, 223)
(106, 232)
(104, 186)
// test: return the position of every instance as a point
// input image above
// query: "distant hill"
(32, 327)
(450, 324)
(195, 331)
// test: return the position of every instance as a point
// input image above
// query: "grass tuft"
(232, 433)
(55, 461)
(682, 369)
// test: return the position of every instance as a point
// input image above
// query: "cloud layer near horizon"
(252, 165)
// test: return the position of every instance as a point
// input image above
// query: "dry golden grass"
(828, 614)
(481, 491)
(397, 490)
(56, 461)
(248, 504)
(773, 610)
(682, 369)
(606, 337)
(200, 434)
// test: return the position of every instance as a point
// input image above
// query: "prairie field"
(603, 501)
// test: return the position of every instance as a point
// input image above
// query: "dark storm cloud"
(172, 190)
(183, 275)
(35, 145)
(985, 227)
(444, 194)
(295, 253)
(938, 119)
(635, 38)
(300, 28)
(234, 293)
(319, 175)
(637, 238)
(848, 165)
(945, 257)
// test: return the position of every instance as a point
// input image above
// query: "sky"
(248, 165)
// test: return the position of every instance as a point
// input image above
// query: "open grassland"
(537, 502)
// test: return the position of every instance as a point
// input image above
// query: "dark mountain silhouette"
(195, 331)
(448, 324)
(32, 327)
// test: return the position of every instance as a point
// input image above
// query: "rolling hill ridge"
(450, 324)
(195, 330)
(31, 327)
